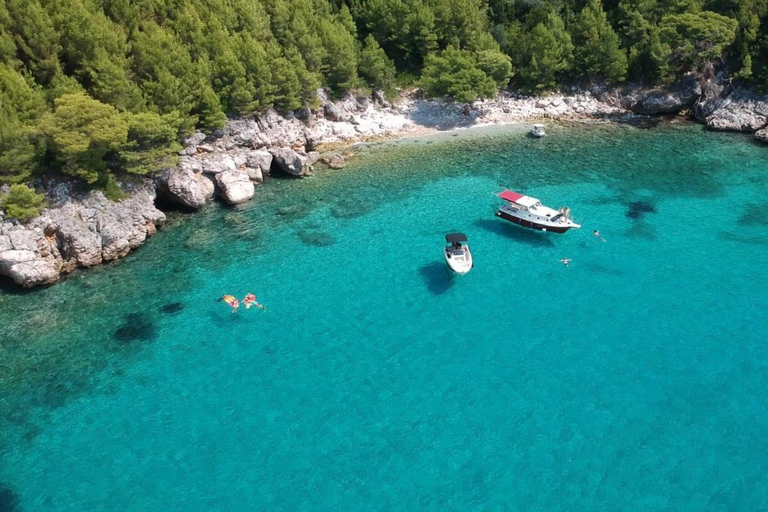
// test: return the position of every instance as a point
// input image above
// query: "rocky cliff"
(76, 232)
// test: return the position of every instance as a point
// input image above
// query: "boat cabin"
(520, 201)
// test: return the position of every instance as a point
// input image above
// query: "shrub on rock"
(22, 203)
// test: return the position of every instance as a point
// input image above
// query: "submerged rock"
(172, 308)
(136, 327)
(9, 500)
(350, 208)
(334, 160)
(637, 209)
(316, 238)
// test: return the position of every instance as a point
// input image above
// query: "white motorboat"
(538, 131)
(530, 213)
(457, 253)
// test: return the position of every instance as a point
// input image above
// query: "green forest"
(96, 89)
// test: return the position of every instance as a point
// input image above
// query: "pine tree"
(598, 53)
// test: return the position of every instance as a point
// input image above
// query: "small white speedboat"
(538, 131)
(457, 253)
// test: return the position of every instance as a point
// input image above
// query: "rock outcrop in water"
(657, 100)
(739, 111)
(80, 232)
(186, 187)
(236, 186)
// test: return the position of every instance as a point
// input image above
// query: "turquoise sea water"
(634, 379)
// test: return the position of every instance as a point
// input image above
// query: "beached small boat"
(530, 213)
(457, 253)
(538, 131)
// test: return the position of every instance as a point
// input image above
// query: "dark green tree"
(543, 55)
(455, 73)
(21, 105)
(598, 54)
(695, 39)
(37, 42)
(152, 143)
(405, 29)
(83, 134)
(373, 65)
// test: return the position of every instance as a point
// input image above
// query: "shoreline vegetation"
(97, 96)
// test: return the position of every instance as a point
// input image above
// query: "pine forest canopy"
(99, 88)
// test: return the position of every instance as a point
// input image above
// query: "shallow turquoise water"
(635, 379)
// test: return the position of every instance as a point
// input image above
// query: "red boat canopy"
(508, 195)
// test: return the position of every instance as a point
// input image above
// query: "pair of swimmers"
(596, 233)
(248, 301)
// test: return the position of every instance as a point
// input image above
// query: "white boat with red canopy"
(530, 213)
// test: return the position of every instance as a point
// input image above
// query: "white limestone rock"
(236, 186)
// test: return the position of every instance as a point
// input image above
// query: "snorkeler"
(250, 300)
(597, 235)
(566, 261)
(231, 301)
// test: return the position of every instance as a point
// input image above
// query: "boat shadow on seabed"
(437, 277)
(526, 236)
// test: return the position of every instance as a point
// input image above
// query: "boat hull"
(460, 267)
(532, 224)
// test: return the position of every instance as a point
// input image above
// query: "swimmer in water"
(566, 261)
(597, 235)
(250, 300)
(231, 301)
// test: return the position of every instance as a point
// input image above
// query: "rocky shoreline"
(86, 229)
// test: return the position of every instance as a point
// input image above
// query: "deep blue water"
(634, 379)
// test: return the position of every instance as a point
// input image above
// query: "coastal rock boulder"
(187, 188)
(680, 96)
(742, 115)
(261, 160)
(191, 143)
(218, 162)
(291, 162)
(126, 225)
(334, 113)
(762, 134)
(28, 256)
(236, 186)
(306, 116)
(78, 241)
(28, 268)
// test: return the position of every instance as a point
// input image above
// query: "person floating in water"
(250, 300)
(566, 261)
(231, 301)
(597, 235)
